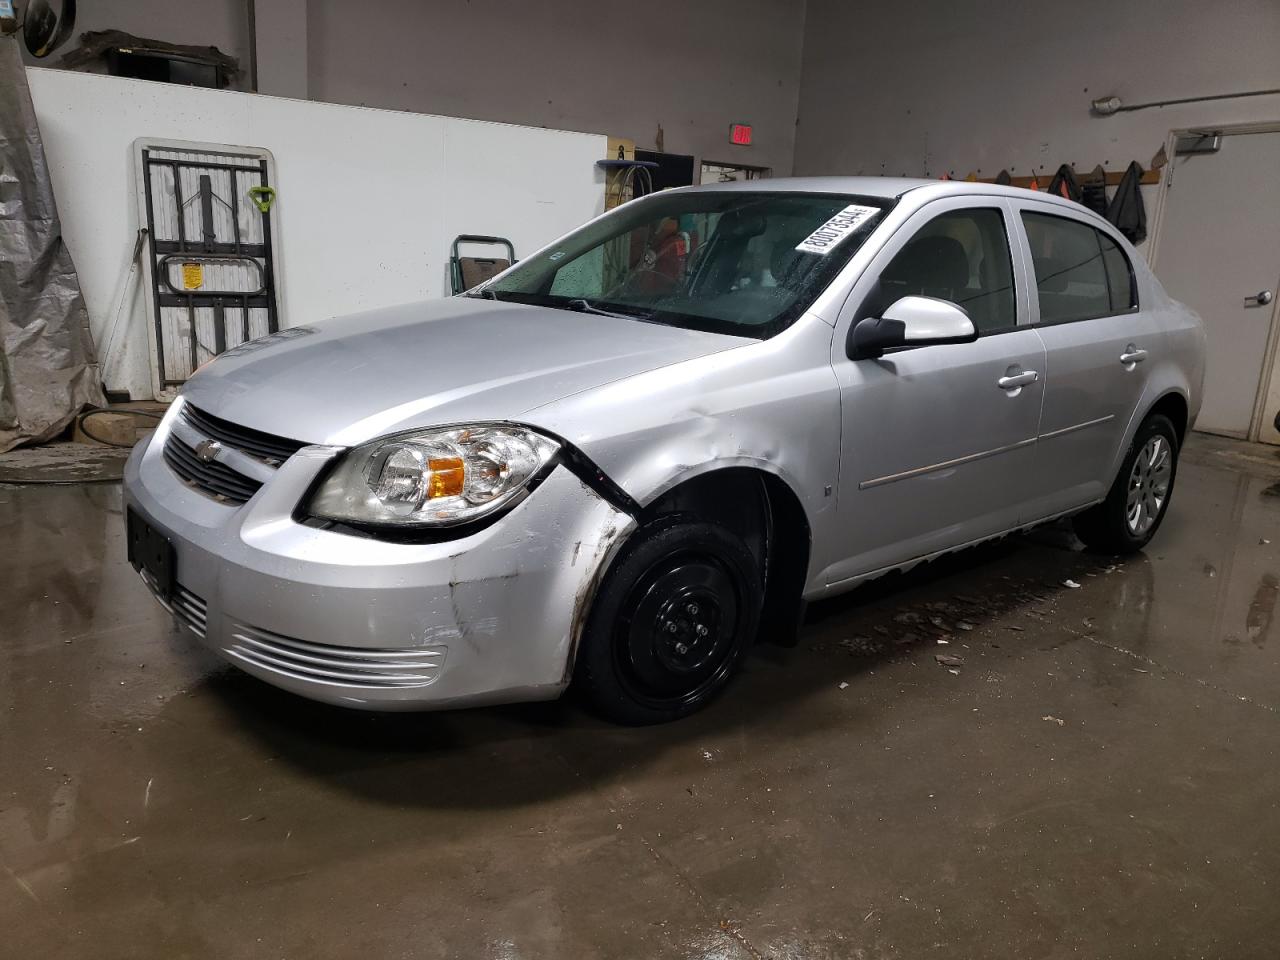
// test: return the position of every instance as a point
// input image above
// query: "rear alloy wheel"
(1148, 485)
(1139, 497)
(670, 623)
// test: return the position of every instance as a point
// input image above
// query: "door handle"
(1259, 299)
(1016, 380)
(1132, 355)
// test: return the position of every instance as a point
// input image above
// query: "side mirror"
(910, 322)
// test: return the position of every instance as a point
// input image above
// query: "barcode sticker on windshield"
(824, 239)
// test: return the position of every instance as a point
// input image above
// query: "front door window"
(961, 256)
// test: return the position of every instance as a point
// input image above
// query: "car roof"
(887, 187)
(890, 188)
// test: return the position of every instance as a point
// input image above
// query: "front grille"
(185, 605)
(266, 447)
(216, 479)
(345, 666)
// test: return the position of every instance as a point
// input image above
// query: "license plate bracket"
(151, 553)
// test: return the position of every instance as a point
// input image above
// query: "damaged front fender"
(770, 405)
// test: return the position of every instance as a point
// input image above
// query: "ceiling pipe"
(1106, 106)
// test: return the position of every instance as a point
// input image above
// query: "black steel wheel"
(670, 623)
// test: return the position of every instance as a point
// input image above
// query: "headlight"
(433, 478)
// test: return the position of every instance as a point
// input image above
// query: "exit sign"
(740, 133)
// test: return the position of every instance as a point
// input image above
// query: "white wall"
(367, 200)
(693, 66)
(923, 87)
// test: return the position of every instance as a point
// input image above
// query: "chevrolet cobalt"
(625, 459)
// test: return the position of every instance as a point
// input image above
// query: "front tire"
(1139, 498)
(671, 622)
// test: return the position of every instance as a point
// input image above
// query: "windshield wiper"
(483, 294)
(586, 306)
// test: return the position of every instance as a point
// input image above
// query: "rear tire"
(671, 622)
(1139, 498)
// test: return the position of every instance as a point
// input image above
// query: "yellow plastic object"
(262, 197)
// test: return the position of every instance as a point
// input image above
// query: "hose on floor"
(81, 421)
(61, 462)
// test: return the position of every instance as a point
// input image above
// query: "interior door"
(1220, 249)
(937, 441)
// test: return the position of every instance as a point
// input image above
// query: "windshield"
(741, 263)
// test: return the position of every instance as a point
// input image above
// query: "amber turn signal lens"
(446, 479)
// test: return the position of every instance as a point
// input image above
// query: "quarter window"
(1119, 275)
(961, 256)
(1080, 272)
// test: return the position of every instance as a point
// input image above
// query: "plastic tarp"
(47, 368)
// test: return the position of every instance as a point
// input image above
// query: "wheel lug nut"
(702, 631)
(692, 609)
(671, 627)
(681, 648)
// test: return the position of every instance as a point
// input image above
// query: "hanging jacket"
(1093, 190)
(1126, 212)
(1064, 184)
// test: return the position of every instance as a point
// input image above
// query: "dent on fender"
(746, 406)
(595, 479)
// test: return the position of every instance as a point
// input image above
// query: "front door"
(937, 441)
(1220, 249)
(1100, 342)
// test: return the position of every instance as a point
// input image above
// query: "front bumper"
(488, 618)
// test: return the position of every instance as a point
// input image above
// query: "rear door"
(1099, 341)
(937, 442)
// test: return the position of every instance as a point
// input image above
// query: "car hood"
(350, 379)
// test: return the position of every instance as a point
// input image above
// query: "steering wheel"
(661, 266)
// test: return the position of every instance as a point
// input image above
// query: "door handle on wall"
(1259, 299)
(1016, 380)
(1132, 355)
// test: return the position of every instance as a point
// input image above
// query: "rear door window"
(1080, 272)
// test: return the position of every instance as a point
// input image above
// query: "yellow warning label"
(192, 276)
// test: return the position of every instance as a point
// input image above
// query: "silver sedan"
(643, 448)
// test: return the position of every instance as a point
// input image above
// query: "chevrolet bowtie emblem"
(207, 450)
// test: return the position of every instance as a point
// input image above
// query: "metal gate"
(211, 265)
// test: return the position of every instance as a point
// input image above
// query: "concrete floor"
(1098, 779)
